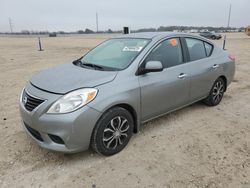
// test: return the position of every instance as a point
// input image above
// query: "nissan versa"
(104, 97)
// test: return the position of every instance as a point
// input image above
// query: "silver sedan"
(102, 98)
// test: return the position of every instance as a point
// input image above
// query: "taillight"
(232, 57)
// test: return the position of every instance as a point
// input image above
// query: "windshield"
(114, 54)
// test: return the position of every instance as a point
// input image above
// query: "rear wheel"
(112, 132)
(216, 93)
(213, 37)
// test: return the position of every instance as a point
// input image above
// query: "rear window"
(196, 49)
(208, 48)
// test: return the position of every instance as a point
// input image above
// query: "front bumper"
(74, 129)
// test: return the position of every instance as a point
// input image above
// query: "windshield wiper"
(85, 64)
(81, 63)
(77, 61)
(92, 65)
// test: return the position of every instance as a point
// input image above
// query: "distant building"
(203, 30)
(194, 31)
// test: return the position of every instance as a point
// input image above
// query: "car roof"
(151, 35)
(160, 35)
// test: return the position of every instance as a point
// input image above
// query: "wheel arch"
(131, 110)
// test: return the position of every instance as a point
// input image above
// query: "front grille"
(30, 102)
(34, 132)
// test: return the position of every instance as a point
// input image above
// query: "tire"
(112, 131)
(216, 94)
(213, 37)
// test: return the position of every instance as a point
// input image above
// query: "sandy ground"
(197, 146)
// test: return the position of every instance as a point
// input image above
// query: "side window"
(208, 48)
(169, 53)
(196, 49)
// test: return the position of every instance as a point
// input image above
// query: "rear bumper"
(68, 133)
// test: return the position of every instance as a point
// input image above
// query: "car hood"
(68, 77)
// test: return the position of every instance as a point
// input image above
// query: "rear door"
(166, 90)
(201, 68)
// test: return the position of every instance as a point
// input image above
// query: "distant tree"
(25, 32)
(80, 32)
(43, 32)
(61, 32)
(146, 30)
(88, 31)
(110, 31)
(52, 34)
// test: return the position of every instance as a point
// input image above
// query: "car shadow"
(198, 107)
(146, 127)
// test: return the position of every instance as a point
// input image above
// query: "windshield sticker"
(173, 42)
(132, 49)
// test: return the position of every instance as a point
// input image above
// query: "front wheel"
(216, 93)
(112, 132)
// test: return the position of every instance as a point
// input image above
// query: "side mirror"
(151, 66)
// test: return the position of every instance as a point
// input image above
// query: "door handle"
(182, 75)
(215, 66)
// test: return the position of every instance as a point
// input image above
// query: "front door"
(167, 90)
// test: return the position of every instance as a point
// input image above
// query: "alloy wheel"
(116, 132)
(218, 91)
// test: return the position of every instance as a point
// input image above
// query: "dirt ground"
(197, 146)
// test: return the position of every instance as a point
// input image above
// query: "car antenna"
(228, 23)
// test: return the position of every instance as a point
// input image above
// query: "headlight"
(73, 101)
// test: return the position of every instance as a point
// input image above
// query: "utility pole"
(228, 24)
(11, 25)
(97, 29)
(229, 16)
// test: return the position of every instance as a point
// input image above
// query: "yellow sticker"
(173, 42)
